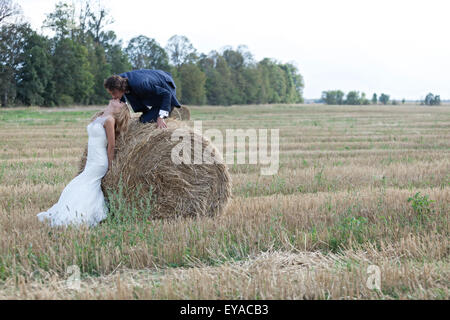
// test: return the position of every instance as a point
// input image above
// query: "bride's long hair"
(122, 119)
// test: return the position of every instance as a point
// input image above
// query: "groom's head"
(116, 86)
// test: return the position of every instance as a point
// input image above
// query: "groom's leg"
(150, 116)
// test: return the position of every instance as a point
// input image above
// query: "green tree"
(181, 50)
(429, 99)
(72, 76)
(294, 82)
(432, 100)
(116, 57)
(12, 39)
(146, 53)
(100, 69)
(62, 20)
(339, 97)
(34, 85)
(374, 99)
(193, 84)
(215, 93)
(273, 81)
(219, 84)
(235, 62)
(364, 100)
(437, 100)
(384, 98)
(353, 98)
(278, 82)
(252, 85)
(91, 56)
(333, 97)
(224, 82)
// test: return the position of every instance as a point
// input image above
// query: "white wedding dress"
(82, 200)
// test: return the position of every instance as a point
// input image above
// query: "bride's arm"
(110, 134)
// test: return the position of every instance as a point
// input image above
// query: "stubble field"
(361, 191)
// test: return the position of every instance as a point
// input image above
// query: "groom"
(152, 92)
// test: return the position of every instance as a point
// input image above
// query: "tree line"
(70, 66)
(338, 97)
(352, 98)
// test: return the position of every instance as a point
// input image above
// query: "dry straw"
(143, 162)
(182, 113)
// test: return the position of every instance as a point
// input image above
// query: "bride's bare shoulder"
(109, 120)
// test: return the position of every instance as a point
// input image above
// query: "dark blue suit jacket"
(150, 88)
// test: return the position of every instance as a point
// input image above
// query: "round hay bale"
(176, 114)
(143, 162)
(185, 113)
(182, 113)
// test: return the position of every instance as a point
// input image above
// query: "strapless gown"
(82, 200)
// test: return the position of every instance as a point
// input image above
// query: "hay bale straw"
(143, 161)
(185, 113)
(182, 113)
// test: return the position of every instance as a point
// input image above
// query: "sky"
(397, 47)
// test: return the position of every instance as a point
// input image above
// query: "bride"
(82, 200)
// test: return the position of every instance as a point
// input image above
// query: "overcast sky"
(399, 47)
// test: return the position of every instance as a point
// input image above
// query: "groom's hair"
(116, 82)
